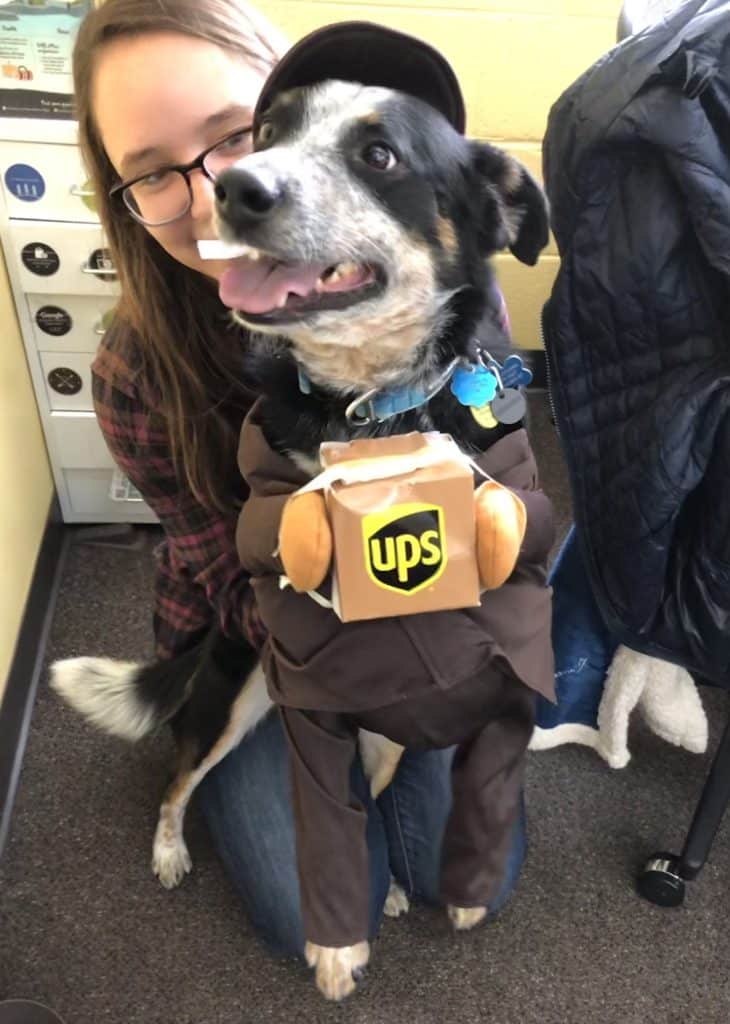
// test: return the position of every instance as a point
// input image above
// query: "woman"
(160, 85)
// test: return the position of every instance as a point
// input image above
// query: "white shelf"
(39, 129)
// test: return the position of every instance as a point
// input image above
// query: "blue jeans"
(246, 802)
(582, 645)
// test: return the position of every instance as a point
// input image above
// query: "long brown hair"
(170, 314)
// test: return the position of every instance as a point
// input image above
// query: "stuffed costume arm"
(272, 478)
(257, 534)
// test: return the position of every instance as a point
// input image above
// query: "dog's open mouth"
(268, 290)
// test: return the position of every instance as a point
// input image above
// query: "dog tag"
(509, 407)
(474, 385)
(514, 373)
(485, 417)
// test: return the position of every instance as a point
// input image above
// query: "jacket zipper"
(548, 372)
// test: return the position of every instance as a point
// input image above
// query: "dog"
(368, 223)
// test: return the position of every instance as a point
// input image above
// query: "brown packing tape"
(334, 452)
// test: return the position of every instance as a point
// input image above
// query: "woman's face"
(162, 98)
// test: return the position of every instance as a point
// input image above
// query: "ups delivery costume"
(466, 677)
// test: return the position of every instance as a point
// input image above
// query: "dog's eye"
(380, 157)
(265, 133)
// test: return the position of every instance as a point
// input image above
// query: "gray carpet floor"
(86, 929)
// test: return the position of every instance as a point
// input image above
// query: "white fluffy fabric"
(665, 695)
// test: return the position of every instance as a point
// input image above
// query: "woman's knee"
(246, 802)
(416, 808)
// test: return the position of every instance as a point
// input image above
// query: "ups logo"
(405, 546)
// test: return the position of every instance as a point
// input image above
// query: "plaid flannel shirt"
(199, 579)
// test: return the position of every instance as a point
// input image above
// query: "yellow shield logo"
(405, 547)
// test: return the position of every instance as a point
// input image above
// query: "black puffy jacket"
(637, 331)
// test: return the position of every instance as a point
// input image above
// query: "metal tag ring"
(487, 360)
(351, 413)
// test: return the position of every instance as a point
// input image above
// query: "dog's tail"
(130, 699)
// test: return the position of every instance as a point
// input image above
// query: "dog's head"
(367, 215)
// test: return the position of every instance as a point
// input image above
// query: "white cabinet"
(68, 323)
(45, 181)
(64, 289)
(62, 259)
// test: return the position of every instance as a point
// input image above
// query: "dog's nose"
(245, 196)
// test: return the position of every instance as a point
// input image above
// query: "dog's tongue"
(260, 286)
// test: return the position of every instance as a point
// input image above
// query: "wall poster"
(36, 43)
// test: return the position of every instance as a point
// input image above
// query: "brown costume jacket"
(465, 677)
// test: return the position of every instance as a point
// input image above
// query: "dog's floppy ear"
(515, 211)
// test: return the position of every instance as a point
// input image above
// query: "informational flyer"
(36, 43)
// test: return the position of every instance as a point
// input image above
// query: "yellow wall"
(513, 59)
(25, 478)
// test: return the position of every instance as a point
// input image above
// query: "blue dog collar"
(376, 406)
(472, 384)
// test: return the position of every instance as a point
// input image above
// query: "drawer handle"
(98, 272)
(82, 193)
(99, 329)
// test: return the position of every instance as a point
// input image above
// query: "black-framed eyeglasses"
(164, 195)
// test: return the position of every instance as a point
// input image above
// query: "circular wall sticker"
(65, 381)
(54, 320)
(25, 182)
(40, 259)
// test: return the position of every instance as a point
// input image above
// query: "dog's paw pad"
(464, 918)
(337, 968)
(171, 862)
(396, 902)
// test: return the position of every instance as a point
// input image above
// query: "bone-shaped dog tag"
(484, 417)
(509, 407)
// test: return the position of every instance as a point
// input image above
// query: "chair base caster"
(660, 881)
(25, 1011)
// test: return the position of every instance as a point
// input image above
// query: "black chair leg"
(663, 876)
(710, 809)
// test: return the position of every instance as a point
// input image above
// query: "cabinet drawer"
(62, 259)
(69, 323)
(89, 493)
(78, 441)
(45, 181)
(68, 380)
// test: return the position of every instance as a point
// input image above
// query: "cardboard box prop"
(402, 515)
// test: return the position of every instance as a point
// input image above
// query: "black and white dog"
(369, 223)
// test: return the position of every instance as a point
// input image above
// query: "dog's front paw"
(338, 968)
(463, 918)
(170, 860)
